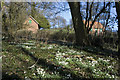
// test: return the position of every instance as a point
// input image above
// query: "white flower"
(81, 52)
(26, 77)
(109, 66)
(57, 51)
(94, 70)
(63, 62)
(100, 58)
(0, 57)
(113, 76)
(33, 73)
(80, 59)
(67, 58)
(69, 75)
(107, 74)
(27, 47)
(63, 53)
(24, 71)
(94, 62)
(106, 60)
(41, 71)
(89, 57)
(50, 47)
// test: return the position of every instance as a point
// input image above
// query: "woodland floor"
(33, 60)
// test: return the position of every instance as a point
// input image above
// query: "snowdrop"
(109, 66)
(100, 58)
(33, 73)
(69, 75)
(81, 52)
(41, 71)
(80, 59)
(107, 74)
(24, 71)
(27, 47)
(94, 70)
(0, 57)
(94, 62)
(63, 53)
(26, 77)
(63, 62)
(113, 76)
(50, 47)
(106, 60)
(89, 57)
(67, 58)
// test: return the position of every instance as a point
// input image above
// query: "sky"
(113, 12)
(67, 16)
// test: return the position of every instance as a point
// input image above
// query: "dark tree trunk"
(118, 17)
(80, 32)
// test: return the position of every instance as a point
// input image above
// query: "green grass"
(31, 60)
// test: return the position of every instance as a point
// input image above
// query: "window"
(91, 30)
(95, 29)
(30, 21)
(100, 30)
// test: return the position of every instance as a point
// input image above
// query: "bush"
(71, 37)
(23, 35)
(96, 40)
(42, 34)
(45, 34)
(57, 35)
(7, 36)
(62, 35)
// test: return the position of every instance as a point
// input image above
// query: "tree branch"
(90, 15)
(86, 14)
(102, 10)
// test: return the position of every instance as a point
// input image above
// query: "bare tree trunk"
(80, 32)
(118, 17)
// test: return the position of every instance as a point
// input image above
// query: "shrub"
(71, 37)
(96, 40)
(62, 35)
(23, 35)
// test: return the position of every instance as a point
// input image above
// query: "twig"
(34, 64)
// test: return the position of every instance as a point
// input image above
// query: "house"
(31, 24)
(97, 28)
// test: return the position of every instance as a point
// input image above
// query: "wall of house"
(31, 25)
(97, 28)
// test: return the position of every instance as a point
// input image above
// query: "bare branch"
(86, 14)
(102, 10)
(90, 15)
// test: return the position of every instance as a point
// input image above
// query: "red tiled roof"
(95, 25)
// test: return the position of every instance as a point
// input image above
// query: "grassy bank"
(40, 60)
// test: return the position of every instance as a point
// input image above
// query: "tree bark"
(118, 17)
(80, 31)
